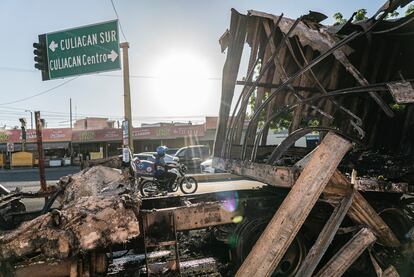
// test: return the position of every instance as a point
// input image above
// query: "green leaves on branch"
(409, 10)
(361, 14)
(339, 18)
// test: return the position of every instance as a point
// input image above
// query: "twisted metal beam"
(234, 119)
(334, 93)
(290, 79)
(262, 72)
(297, 134)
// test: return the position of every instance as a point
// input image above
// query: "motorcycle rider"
(161, 168)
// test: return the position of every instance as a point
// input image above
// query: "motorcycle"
(157, 185)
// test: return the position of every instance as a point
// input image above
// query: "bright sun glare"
(182, 78)
(179, 65)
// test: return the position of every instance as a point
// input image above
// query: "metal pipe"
(340, 92)
(127, 93)
(288, 81)
(297, 134)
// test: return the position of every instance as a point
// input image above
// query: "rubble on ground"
(99, 209)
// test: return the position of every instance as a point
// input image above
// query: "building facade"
(88, 141)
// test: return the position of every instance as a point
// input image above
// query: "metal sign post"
(41, 157)
(127, 96)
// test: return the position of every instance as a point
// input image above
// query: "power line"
(38, 94)
(117, 16)
(17, 69)
(152, 77)
(140, 76)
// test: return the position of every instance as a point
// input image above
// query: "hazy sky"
(173, 41)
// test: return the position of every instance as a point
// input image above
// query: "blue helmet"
(161, 150)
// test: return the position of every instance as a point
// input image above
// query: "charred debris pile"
(93, 209)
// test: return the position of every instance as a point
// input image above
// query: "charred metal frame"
(280, 46)
(306, 69)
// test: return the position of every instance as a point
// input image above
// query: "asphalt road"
(32, 174)
(203, 187)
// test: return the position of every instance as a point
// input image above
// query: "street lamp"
(31, 118)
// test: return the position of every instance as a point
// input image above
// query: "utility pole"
(23, 126)
(70, 119)
(70, 112)
(127, 95)
(41, 158)
(31, 118)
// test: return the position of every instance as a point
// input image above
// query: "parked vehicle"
(192, 156)
(207, 167)
(157, 185)
(171, 151)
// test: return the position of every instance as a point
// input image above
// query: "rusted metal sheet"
(278, 176)
(307, 36)
(365, 184)
(197, 216)
(231, 67)
(282, 229)
(402, 92)
(346, 256)
(285, 177)
(91, 264)
(204, 215)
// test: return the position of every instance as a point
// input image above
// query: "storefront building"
(146, 139)
(100, 143)
(56, 143)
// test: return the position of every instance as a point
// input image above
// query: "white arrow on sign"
(53, 45)
(113, 56)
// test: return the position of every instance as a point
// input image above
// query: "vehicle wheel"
(248, 232)
(149, 188)
(188, 185)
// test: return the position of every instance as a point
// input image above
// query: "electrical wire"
(151, 77)
(119, 21)
(17, 69)
(40, 93)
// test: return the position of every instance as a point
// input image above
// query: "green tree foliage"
(409, 10)
(361, 14)
(339, 18)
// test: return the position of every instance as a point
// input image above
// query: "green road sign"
(83, 50)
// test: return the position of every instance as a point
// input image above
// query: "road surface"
(203, 187)
(32, 174)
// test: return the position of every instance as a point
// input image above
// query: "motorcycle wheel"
(149, 188)
(188, 185)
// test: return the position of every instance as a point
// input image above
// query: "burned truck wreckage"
(344, 207)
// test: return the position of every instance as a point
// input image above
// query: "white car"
(207, 167)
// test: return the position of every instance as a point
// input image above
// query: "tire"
(149, 188)
(188, 185)
(248, 232)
